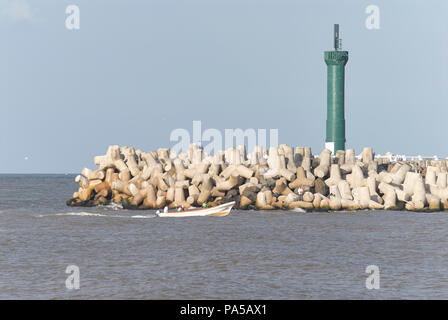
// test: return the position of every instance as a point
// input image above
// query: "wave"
(435, 212)
(112, 206)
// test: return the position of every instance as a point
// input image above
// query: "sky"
(138, 69)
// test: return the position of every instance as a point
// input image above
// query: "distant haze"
(136, 70)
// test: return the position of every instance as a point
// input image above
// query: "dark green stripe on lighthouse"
(335, 60)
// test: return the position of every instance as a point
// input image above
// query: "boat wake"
(90, 214)
(143, 217)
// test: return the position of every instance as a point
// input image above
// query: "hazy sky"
(136, 70)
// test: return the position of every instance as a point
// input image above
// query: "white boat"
(218, 211)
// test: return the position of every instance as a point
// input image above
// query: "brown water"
(247, 255)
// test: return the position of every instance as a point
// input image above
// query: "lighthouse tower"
(336, 61)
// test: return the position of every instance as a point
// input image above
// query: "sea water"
(123, 254)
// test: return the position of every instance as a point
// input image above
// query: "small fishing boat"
(218, 211)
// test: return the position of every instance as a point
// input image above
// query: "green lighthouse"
(335, 60)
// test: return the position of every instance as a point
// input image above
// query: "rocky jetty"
(279, 178)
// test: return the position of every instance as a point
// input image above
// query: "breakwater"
(281, 178)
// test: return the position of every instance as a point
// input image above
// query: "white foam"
(113, 206)
(142, 217)
(82, 214)
(90, 214)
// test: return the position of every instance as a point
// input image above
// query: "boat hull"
(218, 211)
